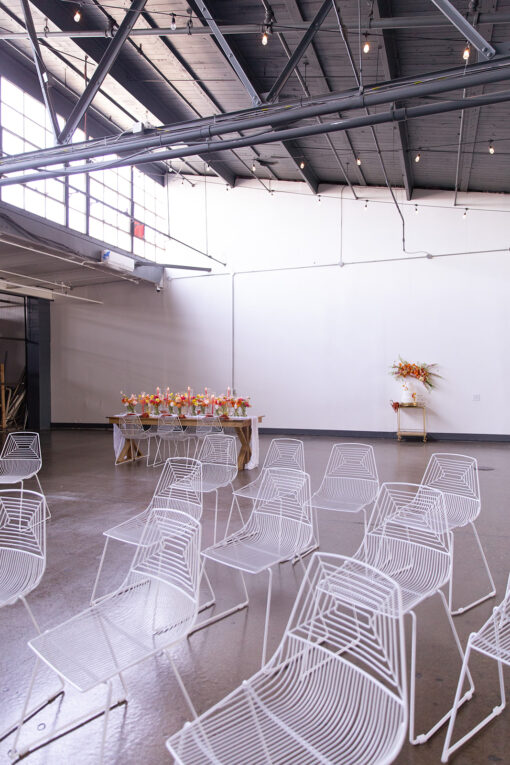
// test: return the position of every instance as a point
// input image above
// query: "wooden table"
(423, 432)
(242, 427)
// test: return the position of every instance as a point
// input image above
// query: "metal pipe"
(477, 74)
(102, 70)
(393, 115)
(417, 21)
(299, 51)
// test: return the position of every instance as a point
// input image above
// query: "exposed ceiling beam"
(299, 52)
(391, 66)
(103, 68)
(466, 29)
(304, 171)
(40, 66)
(418, 21)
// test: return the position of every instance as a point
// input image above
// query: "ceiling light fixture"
(358, 161)
(253, 168)
(366, 46)
(267, 28)
(264, 39)
(418, 156)
(77, 14)
(466, 53)
(302, 164)
(491, 148)
(173, 25)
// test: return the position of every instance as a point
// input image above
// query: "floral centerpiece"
(144, 399)
(180, 400)
(198, 404)
(222, 405)
(155, 401)
(240, 405)
(129, 402)
(408, 371)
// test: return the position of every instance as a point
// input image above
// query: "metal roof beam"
(299, 52)
(466, 29)
(42, 72)
(102, 70)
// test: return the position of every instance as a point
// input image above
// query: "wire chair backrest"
(168, 424)
(23, 445)
(208, 426)
(131, 426)
(219, 448)
(285, 453)
(456, 475)
(355, 611)
(180, 480)
(284, 493)
(23, 522)
(411, 514)
(169, 552)
(352, 461)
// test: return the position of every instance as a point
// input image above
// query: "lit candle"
(157, 391)
(205, 389)
(189, 395)
(212, 404)
(228, 392)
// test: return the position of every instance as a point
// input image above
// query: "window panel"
(78, 221)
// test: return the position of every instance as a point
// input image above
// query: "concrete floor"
(88, 494)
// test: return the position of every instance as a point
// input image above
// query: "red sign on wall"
(138, 229)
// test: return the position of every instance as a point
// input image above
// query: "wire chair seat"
(215, 476)
(456, 475)
(283, 452)
(20, 573)
(15, 470)
(317, 700)
(131, 531)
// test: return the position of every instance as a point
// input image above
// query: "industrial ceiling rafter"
(267, 116)
(42, 72)
(466, 29)
(102, 69)
(305, 171)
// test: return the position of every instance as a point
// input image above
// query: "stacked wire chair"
(20, 459)
(283, 452)
(456, 475)
(131, 428)
(22, 550)
(169, 433)
(179, 487)
(155, 607)
(334, 691)
(350, 482)
(408, 539)
(492, 640)
(279, 528)
(218, 455)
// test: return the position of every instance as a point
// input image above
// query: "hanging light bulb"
(466, 53)
(253, 168)
(418, 157)
(302, 164)
(77, 14)
(366, 46)
(491, 148)
(358, 161)
(173, 25)
(264, 38)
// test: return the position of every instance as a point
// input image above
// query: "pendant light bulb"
(253, 168)
(77, 14)
(358, 161)
(173, 25)
(491, 148)
(302, 164)
(265, 38)
(366, 46)
(417, 158)
(466, 53)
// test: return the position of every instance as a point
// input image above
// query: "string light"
(466, 53)
(265, 38)
(358, 161)
(77, 14)
(366, 46)
(302, 164)
(418, 157)
(173, 25)
(491, 148)
(253, 168)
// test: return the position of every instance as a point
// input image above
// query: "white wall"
(312, 341)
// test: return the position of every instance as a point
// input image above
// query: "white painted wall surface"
(312, 341)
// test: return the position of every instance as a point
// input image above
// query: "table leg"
(130, 452)
(244, 435)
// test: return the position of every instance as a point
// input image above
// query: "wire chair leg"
(181, 685)
(96, 582)
(204, 575)
(268, 608)
(24, 712)
(105, 720)
(492, 592)
(223, 614)
(30, 614)
(48, 513)
(215, 515)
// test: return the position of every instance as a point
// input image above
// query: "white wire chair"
(218, 456)
(20, 459)
(283, 452)
(179, 487)
(279, 528)
(334, 691)
(131, 429)
(154, 608)
(22, 553)
(408, 539)
(492, 640)
(169, 432)
(350, 482)
(206, 426)
(456, 475)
